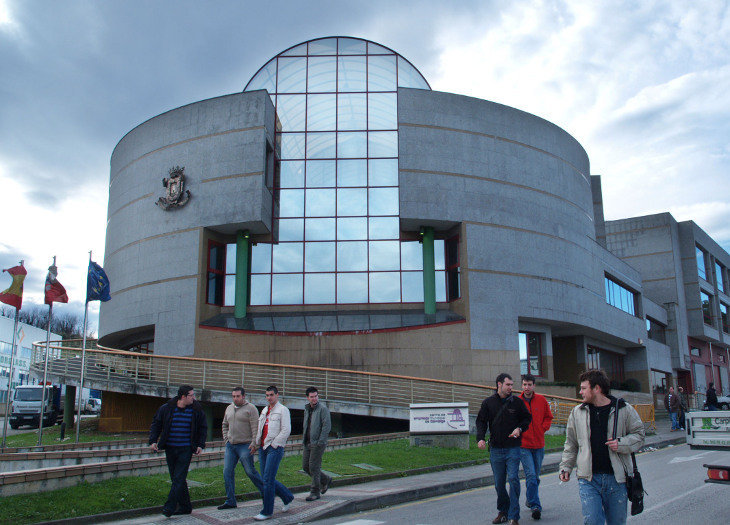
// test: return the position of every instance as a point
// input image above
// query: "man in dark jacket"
(317, 426)
(506, 417)
(711, 400)
(179, 428)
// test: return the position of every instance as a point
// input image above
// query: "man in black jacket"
(179, 428)
(507, 418)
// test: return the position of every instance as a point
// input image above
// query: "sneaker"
(325, 486)
(261, 517)
(514, 522)
(536, 514)
(167, 513)
(501, 518)
(226, 506)
(285, 507)
(313, 496)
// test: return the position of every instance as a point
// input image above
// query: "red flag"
(14, 295)
(55, 292)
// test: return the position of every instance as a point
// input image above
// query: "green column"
(242, 264)
(69, 405)
(429, 272)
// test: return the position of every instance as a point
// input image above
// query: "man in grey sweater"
(317, 425)
(240, 426)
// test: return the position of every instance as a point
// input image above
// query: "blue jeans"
(532, 463)
(269, 459)
(603, 500)
(675, 421)
(178, 462)
(506, 467)
(234, 454)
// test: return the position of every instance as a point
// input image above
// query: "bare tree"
(68, 325)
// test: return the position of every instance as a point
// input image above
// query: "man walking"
(274, 429)
(240, 427)
(317, 425)
(506, 417)
(533, 442)
(683, 407)
(179, 428)
(602, 460)
(671, 403)
(711, 399)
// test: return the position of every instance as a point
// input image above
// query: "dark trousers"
(312, 465)
(178, 462)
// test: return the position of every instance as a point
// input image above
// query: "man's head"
(528, 385)
(186, 395)
(312, 396)
(712, 385)
(272, 395)
(504, 384)
(681, 390)
(239, 396)
(671, 390)
(594, 384)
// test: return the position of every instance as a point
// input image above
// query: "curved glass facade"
(336, 189)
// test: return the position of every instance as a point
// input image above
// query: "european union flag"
(97, 284)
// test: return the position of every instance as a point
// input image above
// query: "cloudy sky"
(641, 85)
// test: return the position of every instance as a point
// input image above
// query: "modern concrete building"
(341, 213)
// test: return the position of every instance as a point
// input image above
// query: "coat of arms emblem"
(176, 195)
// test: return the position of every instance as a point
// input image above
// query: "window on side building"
(720, 280)
(620, 296)
(656, 331)
(700, 254)
(706, 300)
(531, 353)
(451, 247)
(723, 315)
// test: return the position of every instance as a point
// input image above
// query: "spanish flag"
(55, 292)
(14, 295)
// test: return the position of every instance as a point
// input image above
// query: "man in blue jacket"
(179, 428)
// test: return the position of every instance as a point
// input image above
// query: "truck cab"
(26, 406)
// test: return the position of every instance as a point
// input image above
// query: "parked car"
(93, 406)
(723, 403)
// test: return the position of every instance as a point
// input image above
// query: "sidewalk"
(346, 499)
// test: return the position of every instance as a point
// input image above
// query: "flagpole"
(45, 371)
(83, 357)
(10, 379)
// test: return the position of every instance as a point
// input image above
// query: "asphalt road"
(673, 478)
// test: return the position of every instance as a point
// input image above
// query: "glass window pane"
(324, 46)
(261, 289)
(385, 287)
(291, 174)
(292, 145)
(264, 79)
(292, 75)
(352, 288)
(288, 257)
(411, 255)
(384, 255)
(319, 257)
(352, 256)
(412, 287)
(261, 258)
(383, 144)
(320, 203)
(352, 173)
(321, 174)
(320, 145)
(351, 46)
(290, 110)
(352, 201)
(383, 201)
(439, 254)
(321, 112)
(229, 298)
(351, 111)
(291, 203)
(351, 73)
(440, 287)
(319, 288)
(231, 258)
(381, 73)
(319, 229)
(383, 172)
(374, 48)
(382, 111)
(408, 76)
(291, 230)
(301, 49)
(352, 144)
(384, 227)
(286, 289)
(352, 229)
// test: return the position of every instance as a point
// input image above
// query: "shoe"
(166, 513)
(261, 517)
(286, 506)
(313, 496)
(501, 518)
(325, 486)
(182, 512)
(514, 522)
(536, 514)
(226, 506)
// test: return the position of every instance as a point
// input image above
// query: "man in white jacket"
(274, 429)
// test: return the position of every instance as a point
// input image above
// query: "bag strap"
(615, 418)
(499, 414)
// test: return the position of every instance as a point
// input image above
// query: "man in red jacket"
(533, 442)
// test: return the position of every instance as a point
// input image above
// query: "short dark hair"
(501, 377)
(240, 389)
(712, 385)
(184, 390)
(272, 388)
(596, 377)
(528, 377)
(311, 389)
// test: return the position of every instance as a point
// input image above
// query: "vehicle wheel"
(725, 406)
(14, 426)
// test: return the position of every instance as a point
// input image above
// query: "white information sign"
(439, 418)
(708, 428)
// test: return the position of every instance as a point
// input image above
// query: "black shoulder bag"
(634, 485)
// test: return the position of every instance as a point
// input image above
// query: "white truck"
(710, 429)
(26, 406)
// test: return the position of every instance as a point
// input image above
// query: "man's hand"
(612, 444)
(252, 448)
(153, 447)
(516, 433)
(482, 444)
(198, 451)
(564, 476)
